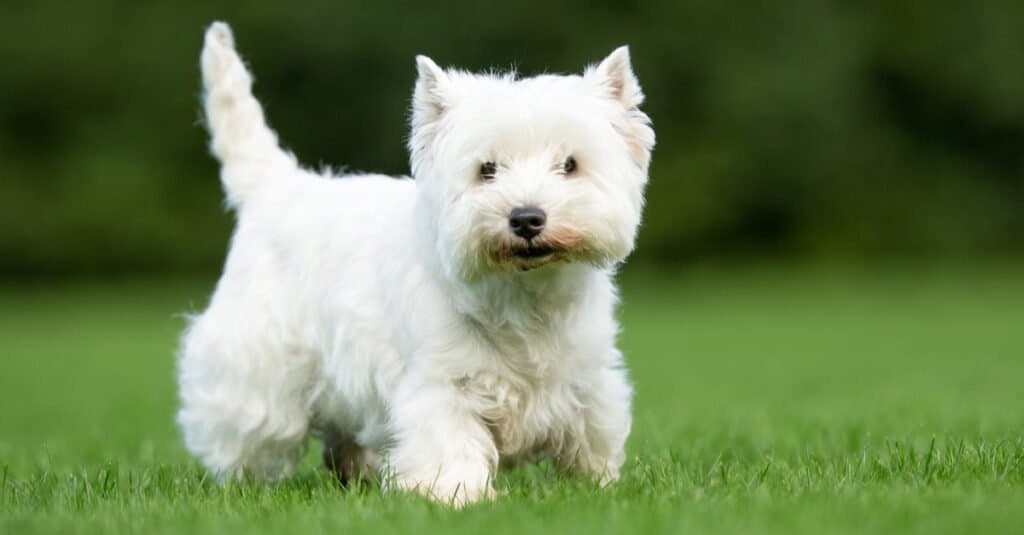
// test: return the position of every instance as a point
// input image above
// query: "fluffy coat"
(403, 318)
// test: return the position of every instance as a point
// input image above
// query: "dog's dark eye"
(569, 167)
(487, 170)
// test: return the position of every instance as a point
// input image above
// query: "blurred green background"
(803, 129)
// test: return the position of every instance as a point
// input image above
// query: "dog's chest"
(526, 418)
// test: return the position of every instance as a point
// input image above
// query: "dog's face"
(519, 174)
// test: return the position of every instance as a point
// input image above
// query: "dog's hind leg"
(245, 392)
(349, 461)
(241, 139)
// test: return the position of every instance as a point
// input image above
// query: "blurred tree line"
(804, 128)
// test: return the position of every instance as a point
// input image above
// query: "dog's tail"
(246, 147)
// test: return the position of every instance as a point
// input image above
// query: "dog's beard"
(507, 251)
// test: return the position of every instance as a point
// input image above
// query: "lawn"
(768, 400)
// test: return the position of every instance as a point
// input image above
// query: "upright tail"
(247, 148)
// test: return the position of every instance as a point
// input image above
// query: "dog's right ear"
(429, 97)
(429, 102)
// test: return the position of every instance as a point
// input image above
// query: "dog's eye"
(487, 170)
(569, 167)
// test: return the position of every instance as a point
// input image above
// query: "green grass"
(767, 401)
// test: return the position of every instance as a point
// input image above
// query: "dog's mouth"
(532, 252)
(527, 255)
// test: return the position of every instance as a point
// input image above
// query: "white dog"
(448, 323)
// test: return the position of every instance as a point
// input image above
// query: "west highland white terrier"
(448, 323)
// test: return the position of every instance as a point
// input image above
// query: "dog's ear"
(615, 79)
(615, 76)
(428, 101)
(428, 105)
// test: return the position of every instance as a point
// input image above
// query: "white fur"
(392, 312)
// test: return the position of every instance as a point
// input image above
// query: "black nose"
(527, 222)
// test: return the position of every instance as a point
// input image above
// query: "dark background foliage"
(801, 129)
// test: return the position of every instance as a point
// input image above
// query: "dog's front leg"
(442, 448)
(607, 419)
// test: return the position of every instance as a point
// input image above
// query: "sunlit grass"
(767, 401)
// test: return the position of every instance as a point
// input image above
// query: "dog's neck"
(530, 318)
(536, 300)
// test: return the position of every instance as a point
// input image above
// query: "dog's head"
(516, 174)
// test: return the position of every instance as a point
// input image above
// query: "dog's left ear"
(614, 77)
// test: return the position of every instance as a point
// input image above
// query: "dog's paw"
(456, 494)
(461, 496)
(607, 477)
